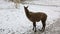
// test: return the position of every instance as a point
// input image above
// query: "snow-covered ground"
(14, 21)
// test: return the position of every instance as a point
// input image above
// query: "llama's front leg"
(34, 26)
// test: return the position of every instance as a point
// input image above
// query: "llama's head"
(25, 7)
(26, 10)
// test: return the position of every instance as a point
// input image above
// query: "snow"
(14, 21)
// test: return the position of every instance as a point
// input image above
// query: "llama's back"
(37, 16)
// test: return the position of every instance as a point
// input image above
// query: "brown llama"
(36, 17)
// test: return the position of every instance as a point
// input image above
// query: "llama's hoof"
(34, 31)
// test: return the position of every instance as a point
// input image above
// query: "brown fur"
(36, 17)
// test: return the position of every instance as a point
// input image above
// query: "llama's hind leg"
(44, 24)
(34, 26)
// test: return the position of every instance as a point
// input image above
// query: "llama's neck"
(27, 12)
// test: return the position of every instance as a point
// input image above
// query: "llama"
(36, 17)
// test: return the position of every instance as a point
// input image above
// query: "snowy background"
(14, 21)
